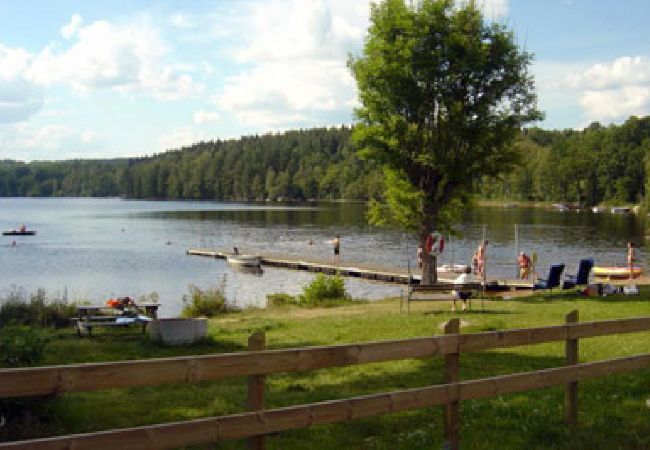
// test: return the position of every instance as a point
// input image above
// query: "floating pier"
(393, 275)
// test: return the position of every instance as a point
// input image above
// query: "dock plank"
(365, 271)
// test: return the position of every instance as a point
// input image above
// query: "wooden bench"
(89, 316)
(435, 292)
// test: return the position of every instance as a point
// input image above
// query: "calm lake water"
(93, 249)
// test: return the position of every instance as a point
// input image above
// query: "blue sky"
(83, 79)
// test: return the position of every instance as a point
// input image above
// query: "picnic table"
(90, 316)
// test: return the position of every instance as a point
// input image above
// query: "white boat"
(453, 268)
(620, 210)
(598, 209)
(559, 207)
(244, 260)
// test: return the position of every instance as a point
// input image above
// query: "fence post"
(571, 390)
(452, 375)
(256, 384)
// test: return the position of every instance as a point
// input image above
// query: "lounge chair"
(582, 277)
(553, 280)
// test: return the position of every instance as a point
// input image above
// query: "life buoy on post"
(435, 244)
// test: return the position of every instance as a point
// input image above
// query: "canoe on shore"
(19, 233)
(617, 272)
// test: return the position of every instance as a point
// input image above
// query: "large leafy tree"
(443, 93)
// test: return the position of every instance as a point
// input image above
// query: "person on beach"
(524, 265)
(460, 294)
(336, 243)
(419, 256)
(480, 257)
(631, 257)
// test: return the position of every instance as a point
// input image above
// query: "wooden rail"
(255, 364)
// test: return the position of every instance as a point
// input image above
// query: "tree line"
(598, 164)
(594, 165)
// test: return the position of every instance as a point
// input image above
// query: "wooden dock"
(387, 275)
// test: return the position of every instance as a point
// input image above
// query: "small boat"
(620, 210)
(244, 260)
(617, 272)
(598, 209)
(560, 207)
(453, 268)
(19, 233)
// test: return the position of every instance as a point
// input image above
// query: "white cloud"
(297, 90)
(179, 138)
(494, 9)
(102, 55)
(318, 29)
(181, 20)
(201, 117)
(612, 91)
(30, 142)
(294, 74)
(71, 28)
(19, 98)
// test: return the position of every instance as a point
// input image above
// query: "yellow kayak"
(617, 272)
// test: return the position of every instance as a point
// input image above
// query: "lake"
(93, 249)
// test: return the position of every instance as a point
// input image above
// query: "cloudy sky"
(83, 79)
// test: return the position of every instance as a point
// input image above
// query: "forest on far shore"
(609, 164)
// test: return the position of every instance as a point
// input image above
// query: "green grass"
(612, 411)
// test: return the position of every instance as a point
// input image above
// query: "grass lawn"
(614, 412)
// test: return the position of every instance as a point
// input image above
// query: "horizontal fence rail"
(96, 376)
(256, 363)
(237, 426)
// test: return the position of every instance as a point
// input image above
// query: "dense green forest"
(594, 165)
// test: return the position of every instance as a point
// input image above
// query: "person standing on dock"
(524, 265)
(480, 257)
(336, 243)
(631, 257)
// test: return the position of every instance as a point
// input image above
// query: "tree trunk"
(429, 270)
(429, 265)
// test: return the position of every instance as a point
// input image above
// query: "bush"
(204, 302)
(37, 311)
(324, 288)
(21, 346)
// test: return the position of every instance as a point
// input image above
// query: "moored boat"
(244, 260)
(617, 272)
(453, 268)
(620, 210)
(19, 233)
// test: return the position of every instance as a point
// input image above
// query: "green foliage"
(37, 311)
(205, 302)
(281, 299)
(21, 346)
(444, 93)
(296, 165)
(595, 165)
(324, 288)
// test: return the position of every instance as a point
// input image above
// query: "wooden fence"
(256, 363)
